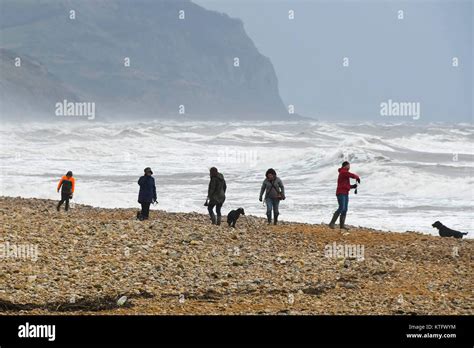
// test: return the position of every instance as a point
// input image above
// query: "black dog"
(447, 232)
(233, 216)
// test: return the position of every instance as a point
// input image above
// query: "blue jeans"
(272, 204)
(343, 201)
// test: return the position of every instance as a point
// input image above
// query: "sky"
(348, 60)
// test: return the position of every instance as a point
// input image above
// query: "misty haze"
(236, 157)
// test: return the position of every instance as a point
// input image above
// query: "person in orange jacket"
(66, 184)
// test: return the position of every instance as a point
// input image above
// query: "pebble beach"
(103, 261)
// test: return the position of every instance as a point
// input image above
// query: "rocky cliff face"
(27, 88)
(181, 57)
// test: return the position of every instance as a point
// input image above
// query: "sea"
(411, 174)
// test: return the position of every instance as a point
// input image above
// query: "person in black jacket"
(216, 195)
(147, 193)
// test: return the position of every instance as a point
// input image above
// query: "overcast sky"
(404, 60)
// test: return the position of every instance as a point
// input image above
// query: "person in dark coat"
(216, 195)
(147, 193)
(274, 191)
(342, 194)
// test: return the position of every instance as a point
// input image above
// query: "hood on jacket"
(343, 169)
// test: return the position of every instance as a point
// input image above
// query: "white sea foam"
(412, 175)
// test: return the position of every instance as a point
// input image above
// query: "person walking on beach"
(216, 195)
(274, 192)
(66, 184)
(147, 193)
(342, 194)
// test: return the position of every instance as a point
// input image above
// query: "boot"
(218, 221)
(332, 224)
(342, 222)
(213, 219)
(275, 222)
(58, 206)
(269, 219)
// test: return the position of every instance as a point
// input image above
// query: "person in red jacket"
(342, 194)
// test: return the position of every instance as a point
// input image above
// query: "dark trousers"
(145, 210)
(64, 198)
(343, 201)
(211, 206)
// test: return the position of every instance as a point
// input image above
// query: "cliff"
(173, 61)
